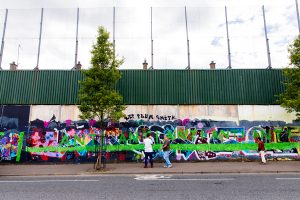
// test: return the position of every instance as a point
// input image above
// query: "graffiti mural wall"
(25, 138)
(191, 140)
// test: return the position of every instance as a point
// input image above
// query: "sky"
(206, 31)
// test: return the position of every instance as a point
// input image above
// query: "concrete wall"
(62, 112)
(213, 112)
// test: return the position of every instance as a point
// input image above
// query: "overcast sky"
(206, 32)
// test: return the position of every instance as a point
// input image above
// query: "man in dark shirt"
(166, 150)
(284, 137)
(261, 150)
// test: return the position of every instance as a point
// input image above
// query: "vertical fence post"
(76, 45)
(297, 11)
(187, 39)
(228, 41)
(114, 31)
(267, 39)
(39, 47)
(151, 67)
(3, 36)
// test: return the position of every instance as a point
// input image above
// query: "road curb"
(129, 173)
(238, 172)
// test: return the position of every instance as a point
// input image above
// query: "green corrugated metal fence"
(235, 86)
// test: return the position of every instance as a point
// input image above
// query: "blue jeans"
(166, 157)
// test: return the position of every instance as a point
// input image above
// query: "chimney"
(212, 65)
(145, 64)
(78, 66)
(13, 66)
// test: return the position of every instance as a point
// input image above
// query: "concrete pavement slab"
(137, 168)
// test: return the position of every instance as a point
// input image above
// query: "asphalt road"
(160, 187)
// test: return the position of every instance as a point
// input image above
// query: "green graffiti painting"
(182, 147)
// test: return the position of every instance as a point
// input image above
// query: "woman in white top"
(148, 150)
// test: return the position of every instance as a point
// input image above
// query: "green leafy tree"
(290, 99)
(97, 94)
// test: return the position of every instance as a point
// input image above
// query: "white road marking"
(188, 179)
(46, 181)
(288, 178)
(168, 178)
(151, 177)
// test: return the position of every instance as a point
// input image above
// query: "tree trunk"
(99, 163)
(99, 158)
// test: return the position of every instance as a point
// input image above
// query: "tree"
(290, 98)
(97, 94)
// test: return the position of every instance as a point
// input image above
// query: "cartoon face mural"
(8, 145)
(66, 144)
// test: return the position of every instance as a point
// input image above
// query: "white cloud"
(206, 28)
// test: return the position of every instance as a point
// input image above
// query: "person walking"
(166, 151)
(261, 150)
(148, 141)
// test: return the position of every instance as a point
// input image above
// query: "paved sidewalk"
(137, 168)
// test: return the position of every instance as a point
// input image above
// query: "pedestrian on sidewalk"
(166, 151)
(148, 141)
(261, 150)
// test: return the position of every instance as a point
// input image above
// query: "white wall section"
(213, 112)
